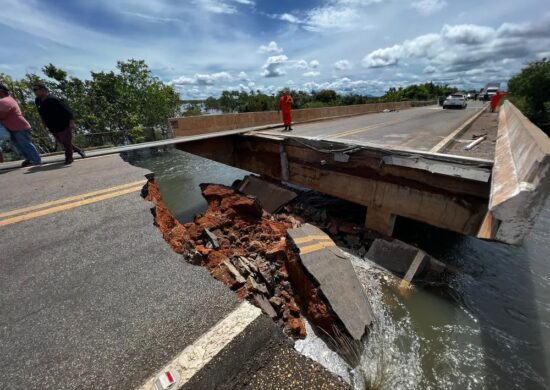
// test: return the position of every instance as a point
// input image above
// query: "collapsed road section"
(261, 256)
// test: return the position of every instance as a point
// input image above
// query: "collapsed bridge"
(394, 159)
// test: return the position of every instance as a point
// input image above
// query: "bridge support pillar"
(380, 220)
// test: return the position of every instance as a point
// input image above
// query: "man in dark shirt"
(58, 118)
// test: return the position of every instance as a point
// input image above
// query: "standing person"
(58, 118)
(20, 130)
(285, 105)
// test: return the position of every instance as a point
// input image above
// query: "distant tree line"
(128, 105)
(242, 101)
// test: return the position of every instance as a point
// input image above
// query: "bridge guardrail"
(521, 175)
(194, 125)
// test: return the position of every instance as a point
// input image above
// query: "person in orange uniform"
(285, 105)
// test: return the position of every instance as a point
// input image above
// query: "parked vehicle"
(456, 100)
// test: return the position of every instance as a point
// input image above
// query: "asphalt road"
(418, 128)
(91, 296)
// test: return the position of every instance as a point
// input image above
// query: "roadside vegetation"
(530, 92)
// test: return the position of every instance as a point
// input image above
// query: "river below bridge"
(488, 329)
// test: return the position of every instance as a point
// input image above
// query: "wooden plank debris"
(416, 264)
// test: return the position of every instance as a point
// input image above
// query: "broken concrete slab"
(264, 304)
(334, 274)
(396, 256)
(399, 257)
(271, 196)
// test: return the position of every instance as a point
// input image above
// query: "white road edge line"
(195, 356)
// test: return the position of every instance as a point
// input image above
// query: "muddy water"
(489, 329)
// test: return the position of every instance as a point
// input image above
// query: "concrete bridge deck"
(421, 128)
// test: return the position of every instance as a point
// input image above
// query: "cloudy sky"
(205, 46)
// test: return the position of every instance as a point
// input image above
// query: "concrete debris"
(264, 304)
(241, 266)
(276, 302)
(398, 256)
(228, 274)
(211, 237)
(249, 264)
(265, 271)
(252, 285)
(194, 257)
(271, 196)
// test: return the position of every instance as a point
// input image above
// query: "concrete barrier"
(194, 125)
(521, 175)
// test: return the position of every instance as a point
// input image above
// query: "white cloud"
(222, 6)
(467, 34)
(312, 74)
(339, 15)
(331, 18)
(430, 69)
(243, 76)
(202, 79)
(288, 18)
(270, 48)
(465, 46)
(301, 65)
(345, 86)
(314, 64)
(383, 57)
(151, 18)
(342, 65)
(428, 7)
(274, 66)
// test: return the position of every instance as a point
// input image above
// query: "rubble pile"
(342, 220)
(245, 247)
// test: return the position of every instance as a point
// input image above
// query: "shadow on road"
(46, 167)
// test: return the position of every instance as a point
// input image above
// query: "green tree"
(530, 91)
(327, 96)
(211, 103)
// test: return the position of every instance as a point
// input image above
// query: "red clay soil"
(251, 255)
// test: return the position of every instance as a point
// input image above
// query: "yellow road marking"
(316, 247)
(301, 240)
(68, 206)
(69, 199)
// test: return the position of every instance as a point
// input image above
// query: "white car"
(456, 100)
